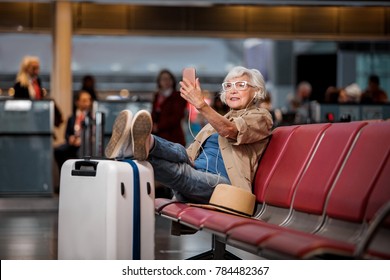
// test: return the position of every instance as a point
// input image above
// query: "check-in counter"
(352, 112)
(111, 109)
(26, 147)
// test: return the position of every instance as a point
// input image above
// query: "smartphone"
(190, 74)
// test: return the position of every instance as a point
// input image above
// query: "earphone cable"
(203, 151)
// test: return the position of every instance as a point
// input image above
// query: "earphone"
(254, 99)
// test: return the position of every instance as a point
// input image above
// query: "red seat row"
(323, 191)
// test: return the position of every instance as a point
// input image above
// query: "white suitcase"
(106, 210)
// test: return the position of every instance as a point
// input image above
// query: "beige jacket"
(241, 156)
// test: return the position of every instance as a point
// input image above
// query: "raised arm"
(193, 95)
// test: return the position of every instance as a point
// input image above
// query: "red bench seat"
(323, 191)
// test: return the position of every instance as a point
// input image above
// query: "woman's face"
(165, 81)
(33, 69)
(343, 97)
(84, 102)
(238, 97)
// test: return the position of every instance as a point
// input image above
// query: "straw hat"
(231, 199)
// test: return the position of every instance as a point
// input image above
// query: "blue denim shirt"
(210, 157)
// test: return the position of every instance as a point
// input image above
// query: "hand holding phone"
(190, 74)
(193, 94)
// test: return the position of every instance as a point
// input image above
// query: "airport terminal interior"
(124, 44)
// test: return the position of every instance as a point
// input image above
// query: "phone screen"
(190, 74)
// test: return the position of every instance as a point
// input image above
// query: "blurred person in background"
(73, 132)
(332, 95)
(301, 104)
(350, 94)
(28, 85)
(373, 93)
(276, 114)
(88, 85)
(168, 109)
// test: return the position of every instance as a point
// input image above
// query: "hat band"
(230, 209)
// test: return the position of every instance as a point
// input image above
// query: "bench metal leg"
(217, 252)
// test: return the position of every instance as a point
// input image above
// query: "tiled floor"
(29, 230)
(28, 235)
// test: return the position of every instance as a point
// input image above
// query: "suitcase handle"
(85, 168)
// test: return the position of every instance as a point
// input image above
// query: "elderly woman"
(225, 151)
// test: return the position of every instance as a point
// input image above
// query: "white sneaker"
(120, 140)
(141, 129)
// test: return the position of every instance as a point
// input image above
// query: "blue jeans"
(173, 169)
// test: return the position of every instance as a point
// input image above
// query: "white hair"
(256, 79)
(353, 92)
(304, 85)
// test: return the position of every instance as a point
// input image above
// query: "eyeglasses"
(239, 85)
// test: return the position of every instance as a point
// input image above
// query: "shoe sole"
(120, 134)
(141, 129)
